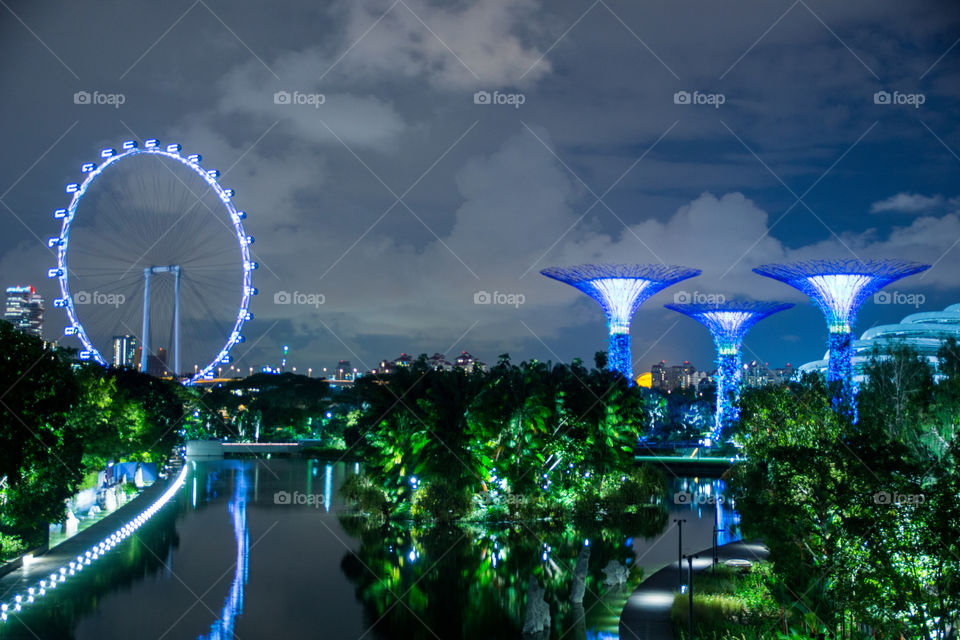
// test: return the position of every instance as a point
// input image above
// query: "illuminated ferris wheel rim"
(110, 156)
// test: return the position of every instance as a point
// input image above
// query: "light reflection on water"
(400, 580)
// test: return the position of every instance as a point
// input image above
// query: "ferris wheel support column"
(145, 333)
(176, 320)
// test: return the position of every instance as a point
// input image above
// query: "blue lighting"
(87, 167)
(840, 287)
(107, 153)
(620, 289)
(60, 213)
(728, 323)
(151, 143)
(129, 144)
(173, 148)
(73, 187)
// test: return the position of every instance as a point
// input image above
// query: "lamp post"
(690, 590)
(679, 522)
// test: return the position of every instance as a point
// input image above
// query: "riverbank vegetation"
(61, 423)
(862, 519)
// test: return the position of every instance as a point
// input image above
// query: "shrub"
(441, 501)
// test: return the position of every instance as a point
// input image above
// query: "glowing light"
(728, 323)
(839, 288)
(620, 289)
(98, 550)
(171, 151)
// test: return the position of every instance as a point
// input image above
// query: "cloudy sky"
(398, 157)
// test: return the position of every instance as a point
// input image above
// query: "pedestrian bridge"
(216, 449)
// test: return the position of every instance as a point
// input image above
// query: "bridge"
(217, 449)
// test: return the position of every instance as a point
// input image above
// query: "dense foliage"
(862, 520)
(61, 422)
(521, 441)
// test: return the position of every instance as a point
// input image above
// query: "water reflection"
(473, 581)
(308, 563)
(233, 607)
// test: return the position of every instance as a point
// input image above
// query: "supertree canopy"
(728, 323)
(839, 287)
(620, 289)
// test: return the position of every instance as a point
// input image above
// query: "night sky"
(399, 197)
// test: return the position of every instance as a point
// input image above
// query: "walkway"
(42, 565)
(646, 616)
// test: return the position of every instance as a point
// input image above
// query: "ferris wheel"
(153, 263)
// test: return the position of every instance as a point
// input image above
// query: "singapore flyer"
(153, 263)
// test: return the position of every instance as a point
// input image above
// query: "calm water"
(266, 549)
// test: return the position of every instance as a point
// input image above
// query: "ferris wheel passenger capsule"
(107, 153)
(73, 187)
(130, 144)
(59, 303)
(87, 167)
(70, 330)
(152, 143)
(241, 214)
(84, 355)
(194, 158)
(249, 239)
(54, 273)
(60, 213)
(173, 148)
(213, 173)
(229, 193)
(55, 241)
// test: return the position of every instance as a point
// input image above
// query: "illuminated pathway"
(646, 616)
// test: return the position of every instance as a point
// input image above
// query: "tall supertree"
(839, 287)
(620, 289)
(728, 323)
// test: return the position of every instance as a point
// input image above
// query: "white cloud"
(907, 203)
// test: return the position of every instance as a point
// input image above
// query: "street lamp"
(310, 372)
(690, 590)
(679, 522)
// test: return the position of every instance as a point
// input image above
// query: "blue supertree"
(839, 287)
(728, 323)
(620, 289)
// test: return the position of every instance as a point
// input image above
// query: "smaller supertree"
(839, 287)
(728, 323)
(620, 289)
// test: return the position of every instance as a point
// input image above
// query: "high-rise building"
(344, 371)
(679, 376)
(157, 363)
(24, 310)
(125, 351)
